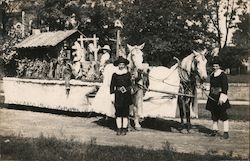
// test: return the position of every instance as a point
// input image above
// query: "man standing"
(217, 102)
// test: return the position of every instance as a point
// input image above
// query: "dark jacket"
(121, 87)
(218, 85)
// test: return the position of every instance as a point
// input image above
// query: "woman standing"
(120, 90)
(104, 57)
(217, 102)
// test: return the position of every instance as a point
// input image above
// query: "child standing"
(217, 102)
(120, 90)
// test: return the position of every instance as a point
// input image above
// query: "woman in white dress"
(102, 102)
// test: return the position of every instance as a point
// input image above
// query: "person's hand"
(112, 96)
(220, 102)
(223, 98)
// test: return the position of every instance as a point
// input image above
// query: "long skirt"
(102, 102)
(219, 112)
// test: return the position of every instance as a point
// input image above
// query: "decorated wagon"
(42, 78)
(55, 89)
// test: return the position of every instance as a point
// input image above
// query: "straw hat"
(106, 47)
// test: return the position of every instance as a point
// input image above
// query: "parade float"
(43, 62)
(60, 70)
(43, 79)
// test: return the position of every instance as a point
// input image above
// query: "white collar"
(120, 72)
(217, 73)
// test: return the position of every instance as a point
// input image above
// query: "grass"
(52, 149)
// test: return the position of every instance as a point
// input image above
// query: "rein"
(203, 92)
(178, 67)
(192, 75)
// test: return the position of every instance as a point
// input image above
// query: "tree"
(2, 19)
(241, 37)
(169, 28)
(99, 19)
(239, 54)
(223, 15)
(52, 14)
(232, 57)
(92, 19)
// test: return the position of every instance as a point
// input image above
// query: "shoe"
(124, 132)
(214, 133)
(225, 135)
(119, 131)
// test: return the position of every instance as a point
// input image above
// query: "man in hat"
(217, 102)
(120, 90)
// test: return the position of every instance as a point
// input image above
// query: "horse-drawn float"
(156, 93)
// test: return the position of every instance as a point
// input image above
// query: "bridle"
(132, 55)
(140, 73)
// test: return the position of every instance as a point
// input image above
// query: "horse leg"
(131, 115)
(187, 106)
(138, 108)
(181, 107)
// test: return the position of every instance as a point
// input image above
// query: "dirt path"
(153, 135)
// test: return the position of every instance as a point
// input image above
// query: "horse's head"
(135, 56)
(200, 62)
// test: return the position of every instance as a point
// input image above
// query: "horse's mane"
(186, 63)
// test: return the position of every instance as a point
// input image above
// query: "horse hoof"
(192, 131)
(184, 131)
(130, 129)
(189, 126)
(138, 128)
(175, 130)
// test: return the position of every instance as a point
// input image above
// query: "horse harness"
(138, 76)
(140, 81)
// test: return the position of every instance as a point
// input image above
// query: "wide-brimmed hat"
(106, 47)
(216, 60)
(121, 60)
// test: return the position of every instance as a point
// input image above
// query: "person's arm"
(112, 89)
(224, 83)
(223, 96)
(112, 84)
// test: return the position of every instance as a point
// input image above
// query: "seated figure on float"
(78, 60)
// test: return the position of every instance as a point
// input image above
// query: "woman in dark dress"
(120, 90)
(217, 102)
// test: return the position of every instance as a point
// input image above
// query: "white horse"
(138, 70)
(191, 69)
(165, 82)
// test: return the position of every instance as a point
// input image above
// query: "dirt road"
(153, 135)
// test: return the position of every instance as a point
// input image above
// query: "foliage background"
(169, 28)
